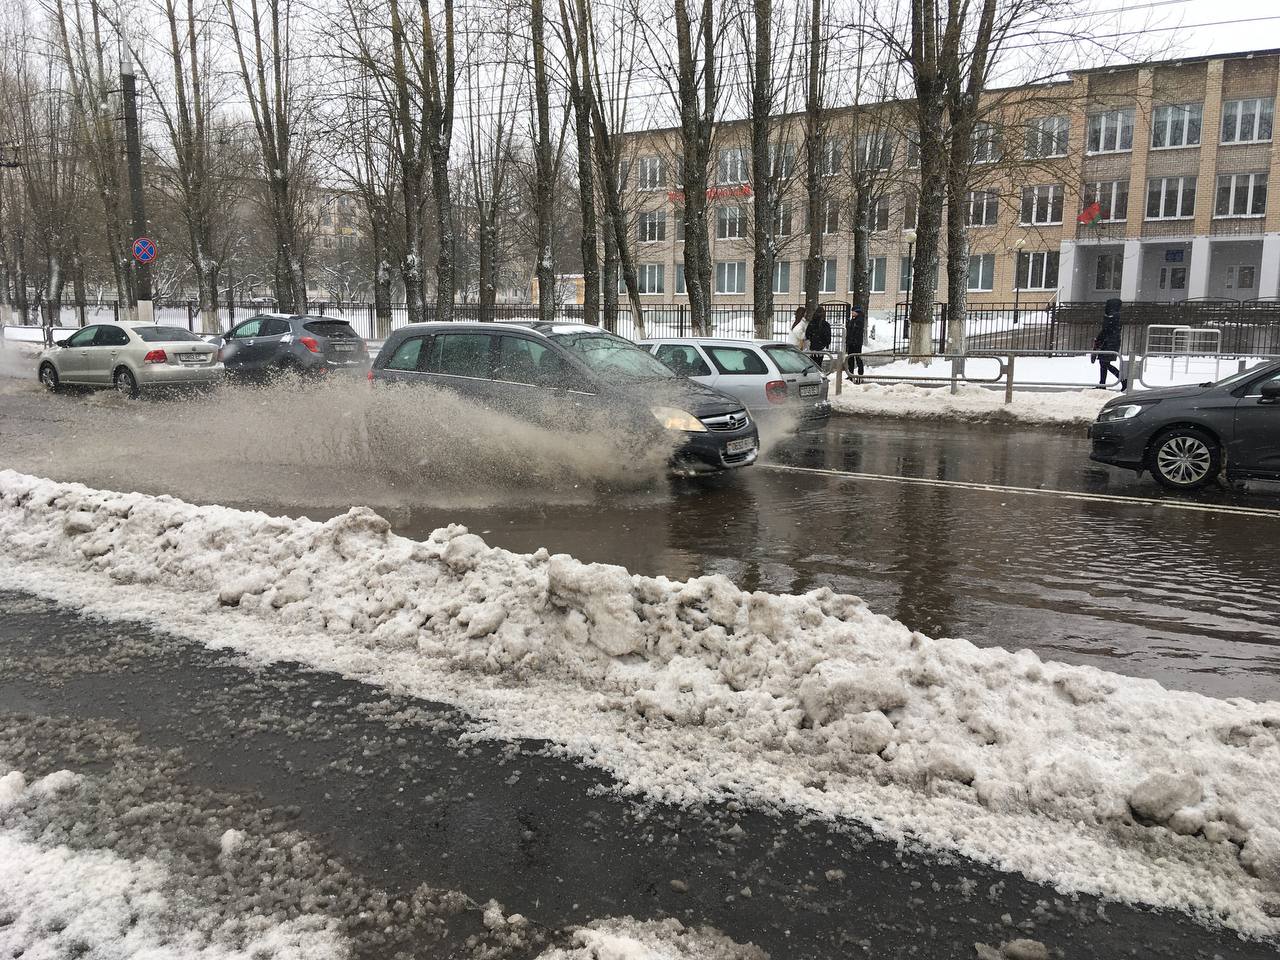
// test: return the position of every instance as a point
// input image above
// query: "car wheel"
(126, 383)
(49, 377)
(1185, 458)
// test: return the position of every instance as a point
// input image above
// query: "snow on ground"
(60, 902)
(1068, 407)
(692, 691)
(629, 939)
(1069, 371)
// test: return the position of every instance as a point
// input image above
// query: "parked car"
(1186, 436)
(516, 366)
(276, 343)
(775, 381)
(131, 357)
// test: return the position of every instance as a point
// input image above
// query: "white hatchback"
(130, 357)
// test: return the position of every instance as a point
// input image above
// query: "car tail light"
(310, 343)
(369, 376)
(775, 391)
(156, 356)
(219, 357)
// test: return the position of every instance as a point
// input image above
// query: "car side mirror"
(60, 343)
(1271, 391)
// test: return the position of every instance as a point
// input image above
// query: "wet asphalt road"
(400, 803)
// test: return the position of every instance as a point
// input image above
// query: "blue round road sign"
(144, 250)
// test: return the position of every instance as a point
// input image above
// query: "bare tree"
(439, 81)
(820, 156)
(544, 172)
(575, 36)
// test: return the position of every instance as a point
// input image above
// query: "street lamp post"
(1017, 277)
(910, 237)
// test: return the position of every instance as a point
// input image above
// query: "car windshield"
(790, 360)
(613, 356)
(164, 334)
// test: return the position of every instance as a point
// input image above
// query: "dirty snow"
(1088, 780)
(59, 902)
(978, 404)
(629, 939)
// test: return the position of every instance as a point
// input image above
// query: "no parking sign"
(144, 250)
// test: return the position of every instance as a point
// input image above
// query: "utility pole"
(142, 304)
(6, 163)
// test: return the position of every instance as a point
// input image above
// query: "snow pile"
(59, 902)
(971, 403)
(629, 939)
(688, 691)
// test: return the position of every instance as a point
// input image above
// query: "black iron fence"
(1248, 328)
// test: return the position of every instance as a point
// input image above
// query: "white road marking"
(1169, 504)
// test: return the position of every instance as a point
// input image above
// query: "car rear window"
(164, 334)
(338, 329)
(736, 360)
(790, 360)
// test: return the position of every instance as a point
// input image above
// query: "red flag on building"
(1090, 213)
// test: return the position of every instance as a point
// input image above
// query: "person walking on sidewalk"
(855, 335)
(818, 336)
(796, 335)
(1107, 342)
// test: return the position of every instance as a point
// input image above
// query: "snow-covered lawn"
(692, 691)
(1066, 407)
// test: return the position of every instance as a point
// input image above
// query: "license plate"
(809, 390)
(344, 347)
(739, 446)
(193, 357)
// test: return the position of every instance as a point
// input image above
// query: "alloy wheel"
(1184, 460)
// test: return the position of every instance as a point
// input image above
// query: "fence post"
(1008, 383)
(942, 335)
(681, 321)
(842, 361)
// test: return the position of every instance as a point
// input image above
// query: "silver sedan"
(130, 357)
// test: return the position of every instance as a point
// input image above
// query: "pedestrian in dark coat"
(818, 335)
(855, 335)
(1107, 342)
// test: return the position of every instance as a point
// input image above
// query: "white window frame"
(981, 208)
(832, 156)
(1238, 185)
(1114, 270)
(986, 143)
(827, 281)
(782, 160)
(1037, 270)
(1046, 205)
(1170, 117)
(1105, 193)
(727, 270)
(904, 275)
(875, 151)
(731, 227)
(1050, 132)
(782, 272)
(986, 264)
(651, 279)
(1180, 195)
(732, 166)
(913, 149)
(1261, 113)
(878, 215)
(651, 226)
(650, 173)
(879, 269)
(830, 217)
(1110, 131)
(782, 218)
(680, 289)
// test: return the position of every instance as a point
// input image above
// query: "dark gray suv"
(574, 376)
(1186, 436)
(276, 343)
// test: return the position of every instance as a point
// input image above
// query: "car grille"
(731, 458)
(728, 421)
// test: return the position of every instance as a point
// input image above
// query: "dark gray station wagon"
(530, 369)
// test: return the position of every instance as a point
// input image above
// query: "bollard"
(1008, 383)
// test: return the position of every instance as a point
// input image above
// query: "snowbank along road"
(696, 691)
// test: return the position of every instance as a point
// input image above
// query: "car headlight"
(1125, 411)
(673, 418)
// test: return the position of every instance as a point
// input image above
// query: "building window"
(680, 290)
(731, 223)
(980, 208)
(879, 267)
(1240, 277)
(986, 143)
(1037, 271)
(1111, 131)
(650, 277)
(733, 165)
(982, 271)
(1176, 125)
(1248, 121)
(828, 276)
(1112, 198)
(782, 277)
(782, 219)
(877, 215)
(904, 274)
(1046, 137)
(1042, 204)
(1241, 195)
(651, 226)
(731, 276)
(1110, 270)
(649, 171)
(913, 149)
(782, 160)
(1171, 198)
(677, 217)
(875, 151)
(830, 217)
(910, 212)
(832, 157)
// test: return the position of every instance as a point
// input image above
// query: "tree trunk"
(543, 188)
(957, 259)
(860, 282)
(697, 113)
(814, 147)
(765, 252)
(609, 282)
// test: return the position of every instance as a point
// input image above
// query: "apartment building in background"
(1146, 182)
